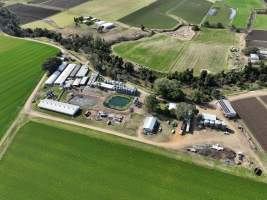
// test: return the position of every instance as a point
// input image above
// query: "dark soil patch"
(27, 13)
(254, 114)
(64, 3)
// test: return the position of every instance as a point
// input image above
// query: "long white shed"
(65, 74)
(56, 106)
(50, 81)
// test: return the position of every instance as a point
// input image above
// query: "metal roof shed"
(150, 124)
(83, 71)
(75, 71)
(56, 106)
(227, 108)
(65, 74)
(52, 78)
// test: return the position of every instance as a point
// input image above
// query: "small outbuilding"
(254, 58)
(150, 125)
(227, 108)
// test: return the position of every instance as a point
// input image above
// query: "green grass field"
(45, 163)
(20, 71)
(102, 9)
(165, 14)
(208, 50)
(244, 8)
(222, 15)
(260, 22)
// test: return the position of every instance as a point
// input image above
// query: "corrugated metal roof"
(83, 71)
(59, 107)
(52, 78)
(150, 123)
(65, 74)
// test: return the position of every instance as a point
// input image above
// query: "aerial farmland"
(19, 74)
(123, 99)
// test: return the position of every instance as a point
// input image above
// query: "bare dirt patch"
(184, 33)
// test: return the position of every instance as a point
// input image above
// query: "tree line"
(204, 87)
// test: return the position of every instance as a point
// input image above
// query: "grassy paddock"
(45, 162)
(20, 71)
(222, 15)
(165, 14)
(208, 50)
(260, 22)
(244, 8)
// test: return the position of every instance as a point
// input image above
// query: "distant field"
(102, 9)
(45, 163)
(164, 14)
(244, 8)
(20, 71)
(164, 53)
(27, 13)
(222, 14)
(260, 22)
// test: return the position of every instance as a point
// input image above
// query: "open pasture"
(221, 14)
(27, 13)
(254, 114)
(208, 50)
(45, 162)
(166, 14)
(260, 22)
(244, 8)
(101, 9)
(20, 71)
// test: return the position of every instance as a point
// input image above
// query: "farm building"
(254, 58)
(93, 78)
(84, 80)
(75, 71)
(126, 90)
(65, 74)
(50, 81)
(104, 85)
(257, 38)
(227, 108)
(82, 72)
(172, 106)
(150, 125)
(77, 82)
(62, 66)
(108, 25)
(56, 106)
(263, 54)
(210, 120)
(100, 23)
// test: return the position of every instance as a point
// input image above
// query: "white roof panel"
(56, 106)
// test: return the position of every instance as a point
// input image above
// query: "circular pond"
(118, 102)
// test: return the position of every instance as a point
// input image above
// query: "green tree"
(169, 89)
(185, 111)
(151, 103)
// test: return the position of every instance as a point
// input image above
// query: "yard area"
(165, 53)
(20, 71)
(102, 9)
(47, 162)
(166, 14)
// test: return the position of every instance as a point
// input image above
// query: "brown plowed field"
(254, 114)
(264, 98)
(64, 3)
(27, 13)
